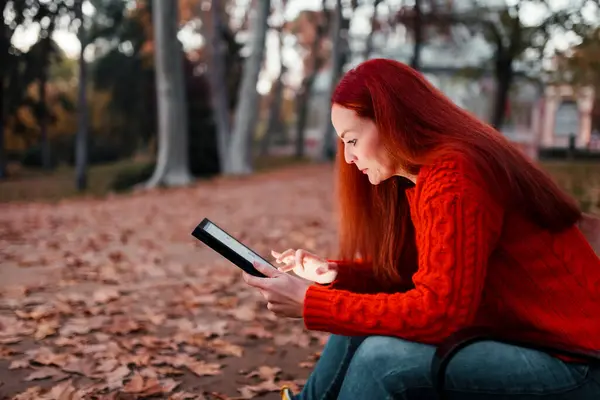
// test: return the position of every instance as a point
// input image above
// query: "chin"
(376, 180)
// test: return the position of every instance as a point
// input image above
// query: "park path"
(113, 299)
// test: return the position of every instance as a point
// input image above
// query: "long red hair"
(417, 123)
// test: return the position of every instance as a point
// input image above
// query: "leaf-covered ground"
(114, 299)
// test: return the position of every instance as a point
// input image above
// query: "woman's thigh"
(401, 369)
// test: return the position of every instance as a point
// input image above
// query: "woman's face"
(362, 145)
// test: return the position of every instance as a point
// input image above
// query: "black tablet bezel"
(221, 248)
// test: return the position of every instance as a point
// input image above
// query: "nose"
(348, 156)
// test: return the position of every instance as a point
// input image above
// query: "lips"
(364, 171)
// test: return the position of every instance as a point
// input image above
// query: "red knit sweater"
(478, 264)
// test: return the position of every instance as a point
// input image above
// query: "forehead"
(343, 118)
(341, 113)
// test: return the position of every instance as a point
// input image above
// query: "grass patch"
(581, 179)
(37, 185)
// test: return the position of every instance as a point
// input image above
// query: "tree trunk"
(274, 124)
(218, 84)
(302, 101)
(369, 43)
(43, 121)
(504, 78)
(304, 94)
(5, 40)
(2, 117)
(415, 62)
(172, 166)
(337, 55)
(81, 140)
(247, 110)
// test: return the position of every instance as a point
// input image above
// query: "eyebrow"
(343, 133)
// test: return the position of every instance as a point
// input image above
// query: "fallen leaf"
(45, 329)
(10, 339)
(225, 348)
(32, 393)
(63, 391)
(306, 364)
(45, 373)
(114, 379)
(6, 352)
(80, 366)
(244, 313)
(251, 391)
(143, 386)
(265, 372)
(186, 396)
(81, 326)
(105, 295)
(122, 325)
(202, 368)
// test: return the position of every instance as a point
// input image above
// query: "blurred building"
(458, 63)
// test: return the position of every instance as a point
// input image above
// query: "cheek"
(367, 152)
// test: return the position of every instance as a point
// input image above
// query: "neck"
(410, 177)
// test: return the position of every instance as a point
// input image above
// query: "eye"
(352, 142)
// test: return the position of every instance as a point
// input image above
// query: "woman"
(455, 229)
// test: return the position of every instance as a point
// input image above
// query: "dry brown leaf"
(45, 329)
(143, 386)
(186, 396)
(114, 379)
(38, 312)
(32, 393)
(244, 313)
(251, 391)
(265, 372)
(122, 325)
(306, 364)
(45, 373)
(10, 339)
(63, 391)
(202, 368)
(107, 365)
(168, 385)
(45, 356)
(16, 364)
(6, 352)
(105, 295)
(65, 341)
(225, 348)
(81, 326)
(80, 366)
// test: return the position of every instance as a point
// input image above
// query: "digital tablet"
(230, 248)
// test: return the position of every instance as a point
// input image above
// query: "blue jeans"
(381, 367)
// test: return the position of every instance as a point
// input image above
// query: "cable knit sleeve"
(457, 226)
(355, 277)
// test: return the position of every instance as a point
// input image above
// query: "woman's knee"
(386, 355)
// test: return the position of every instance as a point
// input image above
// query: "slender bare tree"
(239, 160)
(337, 56)
(81, 139)
(172, 166)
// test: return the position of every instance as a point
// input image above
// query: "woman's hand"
(284, 293)
(306, 265)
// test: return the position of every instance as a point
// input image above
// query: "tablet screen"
(236, 246)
